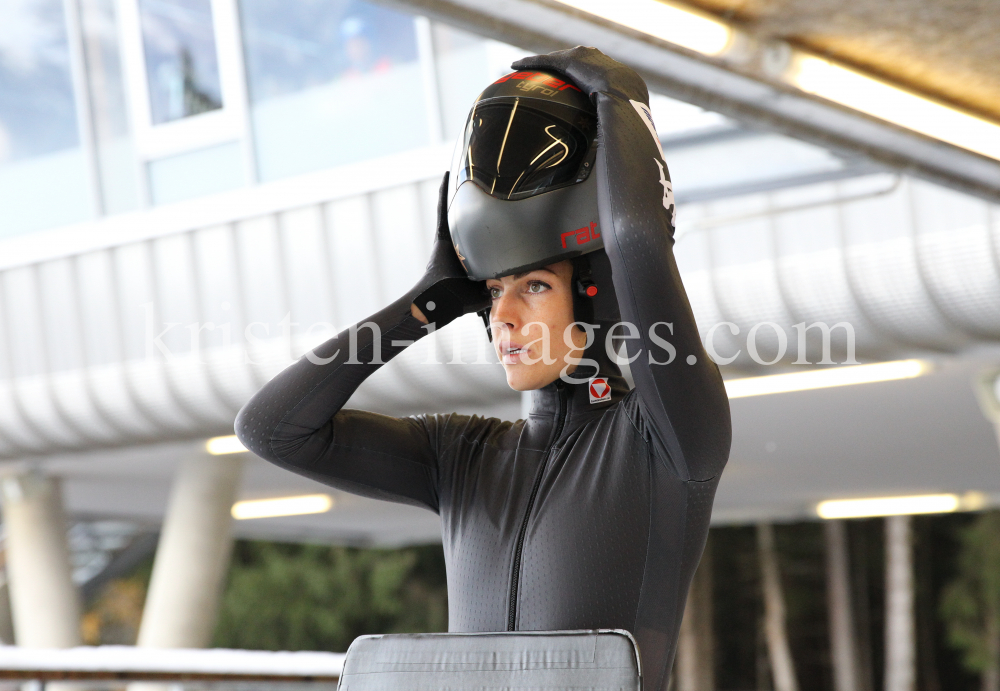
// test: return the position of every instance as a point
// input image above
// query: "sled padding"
(591, 660)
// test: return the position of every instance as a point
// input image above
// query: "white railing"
(126, 663)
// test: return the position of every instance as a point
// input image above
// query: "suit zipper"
(516, 576)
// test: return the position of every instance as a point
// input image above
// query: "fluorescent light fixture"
(218, 446)
(899, 106)
(825, 378)
(975, 501)
(282, 506)
(686, 28)
(888, 506)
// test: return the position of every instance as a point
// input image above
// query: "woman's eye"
(537, 287)
(495, 293)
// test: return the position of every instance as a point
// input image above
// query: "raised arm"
(293, 420)
(684, 401)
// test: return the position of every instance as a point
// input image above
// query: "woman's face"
(531, 318)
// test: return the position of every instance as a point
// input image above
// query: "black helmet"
(522, 195)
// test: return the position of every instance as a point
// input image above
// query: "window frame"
(225, 125)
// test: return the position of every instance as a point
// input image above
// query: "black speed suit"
(585, 515)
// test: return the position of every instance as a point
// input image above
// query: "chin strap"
(585, 289)
(485, 315)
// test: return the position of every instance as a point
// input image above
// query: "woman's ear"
(418, 315)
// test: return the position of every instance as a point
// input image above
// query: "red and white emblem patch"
(600, 390)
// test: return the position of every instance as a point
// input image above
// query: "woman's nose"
(504, 311)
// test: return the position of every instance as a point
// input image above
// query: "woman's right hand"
(446, 292)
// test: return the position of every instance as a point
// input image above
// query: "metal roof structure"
(944, 49)
(752, 79)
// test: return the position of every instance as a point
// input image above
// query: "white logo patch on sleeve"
(668, 191)
(647, 119)
(600, 390)
(668, 194)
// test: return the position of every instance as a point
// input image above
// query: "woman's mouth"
(511, 353)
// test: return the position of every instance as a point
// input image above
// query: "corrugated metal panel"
(164, 337)
(911, 266)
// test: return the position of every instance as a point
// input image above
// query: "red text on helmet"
(582, 235)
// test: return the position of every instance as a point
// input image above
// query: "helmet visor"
(520, 148)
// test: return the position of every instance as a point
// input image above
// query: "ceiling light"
(888, 506)
(692, 30)
(282, 506)
(899, 106)
(217, 446)
(975, 501)
(825, 378)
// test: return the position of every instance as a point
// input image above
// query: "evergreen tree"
(971, 602)
(313, 597)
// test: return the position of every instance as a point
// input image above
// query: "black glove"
(445, 292)
(592, 71)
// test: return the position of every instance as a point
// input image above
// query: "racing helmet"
(522, 194)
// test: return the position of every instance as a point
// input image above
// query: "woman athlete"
(593, 512)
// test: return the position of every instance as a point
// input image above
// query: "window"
(186, 95)
(43, 173)
(330, 82)
(466, 64)
(182, 69)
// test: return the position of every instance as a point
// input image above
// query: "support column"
(193, 555)
(45, 605)
(696, 645)
(775, 629)
(987, 389)
(840, 606)
(900, 624)
(6, 622)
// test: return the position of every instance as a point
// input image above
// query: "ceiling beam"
(742, 85)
